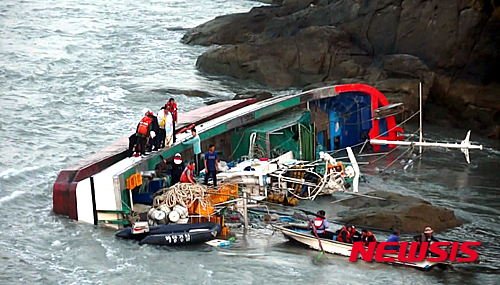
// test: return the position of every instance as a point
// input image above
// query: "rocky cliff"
(453, 47)
(407, 213)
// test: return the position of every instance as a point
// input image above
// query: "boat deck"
(64, 189)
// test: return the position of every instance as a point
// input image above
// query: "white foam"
(105, 94)
(11, 196)
(12, 172)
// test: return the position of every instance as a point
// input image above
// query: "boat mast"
(420, 110)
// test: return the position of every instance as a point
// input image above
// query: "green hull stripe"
(277, 107)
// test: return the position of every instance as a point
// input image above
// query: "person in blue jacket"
(211, 165)
(321, 224)
(393, 238)
(196, 142)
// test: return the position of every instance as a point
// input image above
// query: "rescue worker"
(143, 132)
(155, 130)
(171, 106)
(426, 236)
(393, 238)
(344, 234)
(188, 174)
(161, 168)
(355, 235)
(162, 118)
(195, 141)
(177, 169)
(321, 224)
(132, 141)
(211, 165)
(367, 237)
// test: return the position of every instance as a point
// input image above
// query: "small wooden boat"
(304, 236)
(176, 234)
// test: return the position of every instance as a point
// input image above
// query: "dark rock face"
(257, 95)
(453, 47)
(406, 213)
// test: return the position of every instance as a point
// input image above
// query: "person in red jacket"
(171, 106)
(143, 132)
(188, 174)
(344, 234)
(367, 237)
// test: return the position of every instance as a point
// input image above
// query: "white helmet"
(145, 110)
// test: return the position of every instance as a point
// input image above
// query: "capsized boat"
(304, 236)
(99, 189)
(175, 234)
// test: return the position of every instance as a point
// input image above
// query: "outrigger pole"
(464, 146)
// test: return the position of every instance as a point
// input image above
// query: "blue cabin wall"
(350, 117)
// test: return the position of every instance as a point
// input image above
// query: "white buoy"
(174, 216)
(159, 215)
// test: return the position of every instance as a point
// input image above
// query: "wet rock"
(189, 93)
(213, 101)
(315, 54)
(410, 214)
(453, 47)
(257, 95)
(494, 132)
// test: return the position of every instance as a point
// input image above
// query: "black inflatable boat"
(178, 234)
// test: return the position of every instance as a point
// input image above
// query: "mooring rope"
(184, 194)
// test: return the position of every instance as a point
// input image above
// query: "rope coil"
(184, 194)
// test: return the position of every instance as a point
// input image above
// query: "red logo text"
(436, 250)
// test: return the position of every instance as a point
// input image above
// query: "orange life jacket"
(365, 238)
(352, 233)
(184, 176)
(348, 235)
(319, 224)
(172, 108)
(144, 125)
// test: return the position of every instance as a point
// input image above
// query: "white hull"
(334, 247)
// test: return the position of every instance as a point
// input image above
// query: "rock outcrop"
(406, 213)
(257, 95)
(452, 46)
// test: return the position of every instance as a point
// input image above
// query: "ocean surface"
(74, 76)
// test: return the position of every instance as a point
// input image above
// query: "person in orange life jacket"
(367, 237)
(171, 106)
(132, 141)
(211, 165)
(155, 130)
(188, 174)
(321, 224)
(355, 235)
(344, 234)
(143, 132)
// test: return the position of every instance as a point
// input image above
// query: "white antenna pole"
(421, 137)
(354, 163)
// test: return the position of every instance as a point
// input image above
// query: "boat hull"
(171, 235)
(335, 247)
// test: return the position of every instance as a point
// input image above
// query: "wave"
(11, 196)
(105, 94)
(13, 172)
